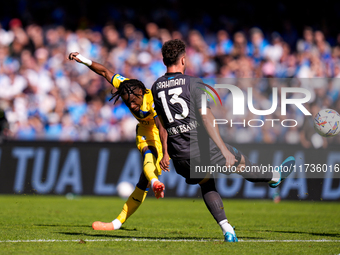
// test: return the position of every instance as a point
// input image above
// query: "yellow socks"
(149, 167)
(138, 195)
(131, 205)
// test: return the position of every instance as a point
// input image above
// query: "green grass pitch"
(55, 225)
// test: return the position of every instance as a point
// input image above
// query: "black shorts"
(183, 167)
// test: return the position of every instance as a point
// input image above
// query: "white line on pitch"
(164, 240)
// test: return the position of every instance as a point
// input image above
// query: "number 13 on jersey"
(174, 100)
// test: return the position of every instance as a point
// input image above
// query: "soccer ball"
(125, 189)
(326, 123)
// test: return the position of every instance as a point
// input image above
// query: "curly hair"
(172, 50)
(128, 87)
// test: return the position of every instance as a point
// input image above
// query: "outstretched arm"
(163, 135)
(94, 66)
(214, 133)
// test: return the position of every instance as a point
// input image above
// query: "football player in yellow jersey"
(149, 138)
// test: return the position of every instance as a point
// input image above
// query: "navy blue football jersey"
(177, 99)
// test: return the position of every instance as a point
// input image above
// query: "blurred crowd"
(45, 96)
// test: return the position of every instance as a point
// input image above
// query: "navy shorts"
(183, 167)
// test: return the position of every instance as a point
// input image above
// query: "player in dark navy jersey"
(192, 138)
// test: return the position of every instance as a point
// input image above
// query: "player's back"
(177, 101)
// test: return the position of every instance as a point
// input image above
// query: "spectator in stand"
(307, 43)
(322, 47)
(240, 45)
(223, 45)
(274, 51)
(257, 45)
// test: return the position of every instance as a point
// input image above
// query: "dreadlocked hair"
(128, 87)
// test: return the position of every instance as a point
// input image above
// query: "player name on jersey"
(170, 83)
(182, 128)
